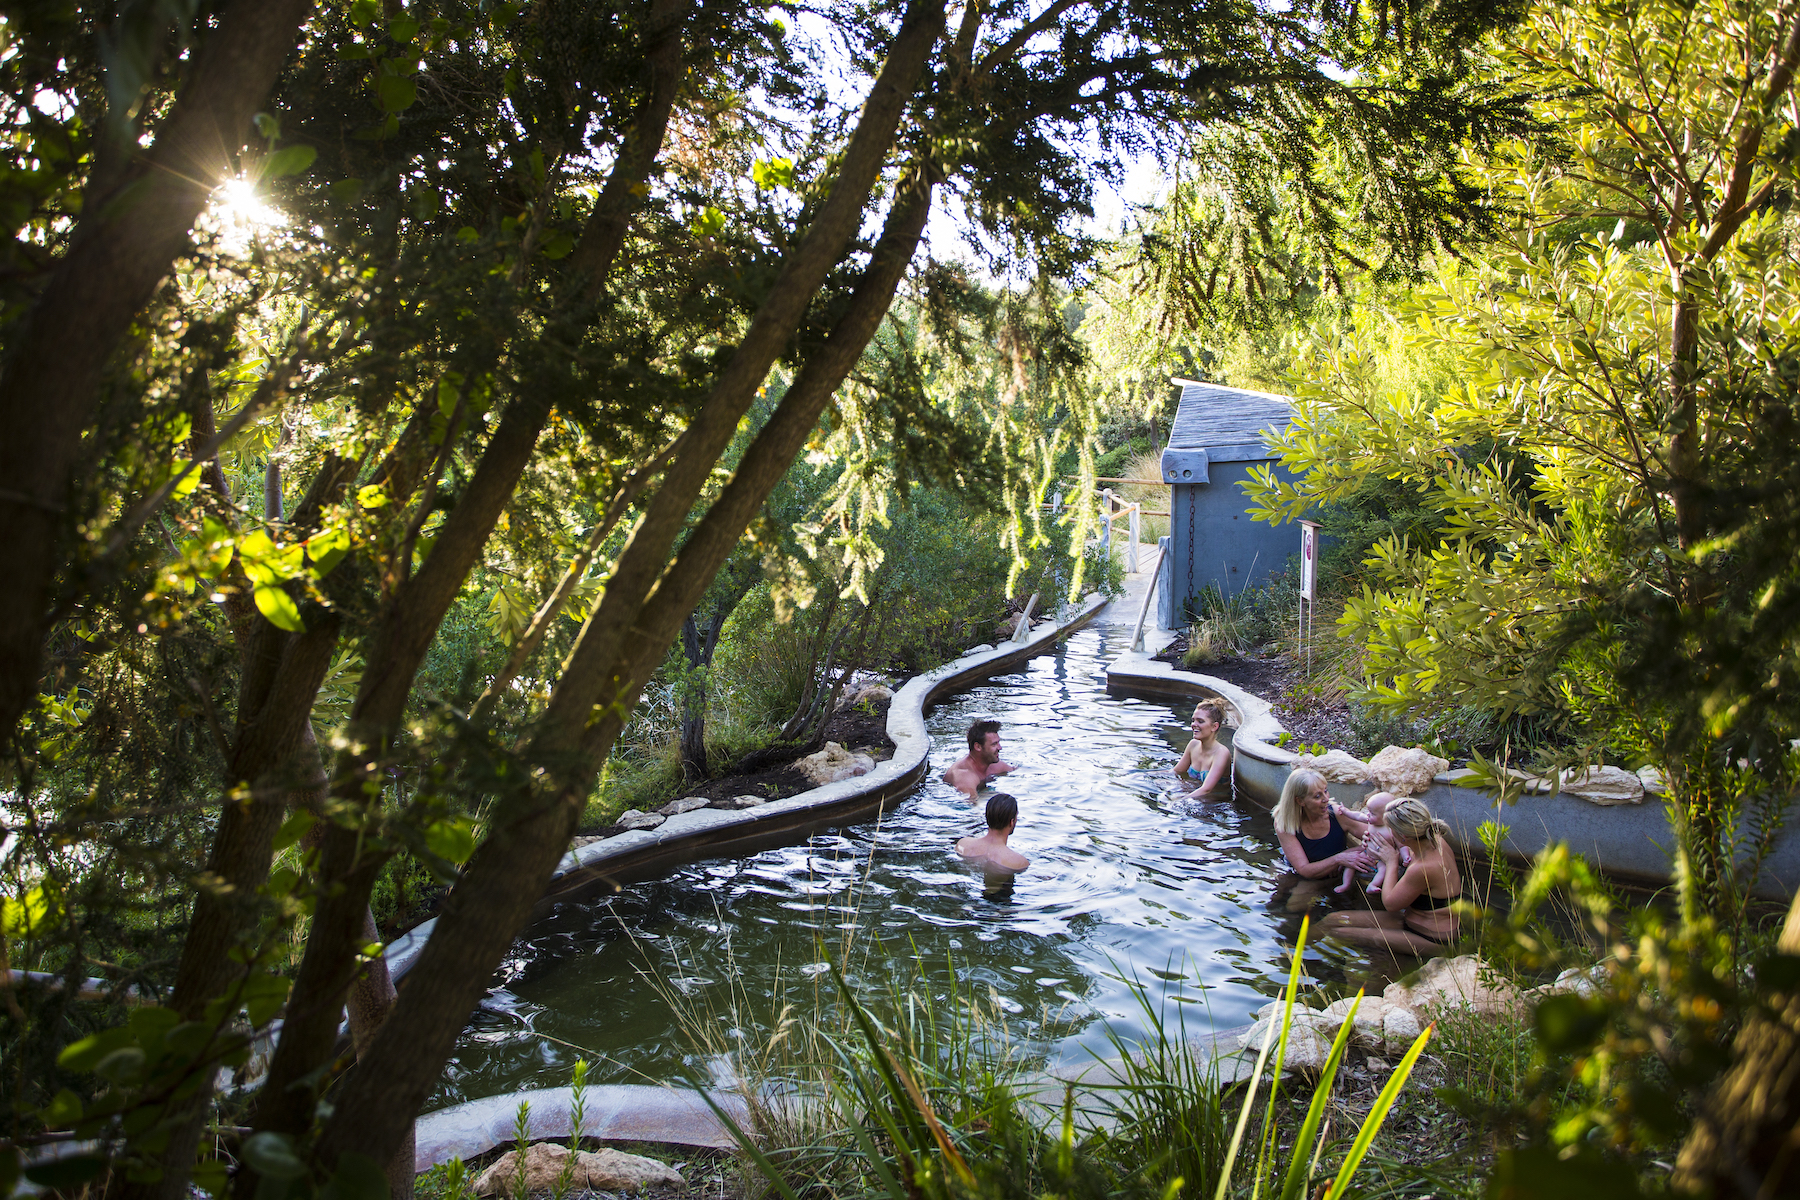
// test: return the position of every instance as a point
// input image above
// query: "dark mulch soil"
(851, 728)
(1279, 680)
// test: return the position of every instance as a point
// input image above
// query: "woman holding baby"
(1419, 882)
(1316, 843)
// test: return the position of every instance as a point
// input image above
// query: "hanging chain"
(1192, 505)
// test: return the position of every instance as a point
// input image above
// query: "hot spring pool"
(1125, 883)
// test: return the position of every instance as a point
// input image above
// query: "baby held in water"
(990, 849)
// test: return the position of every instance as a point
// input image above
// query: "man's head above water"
(1002, 811)
(984, 740)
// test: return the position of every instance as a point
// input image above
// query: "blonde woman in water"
(1205, 766)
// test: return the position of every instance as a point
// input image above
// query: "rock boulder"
(1405, 772)
(675, 808)
(834, 763)
(1604, 785)
(633, 818)
(1336, 766)
(545, 1162)
(1450, 981)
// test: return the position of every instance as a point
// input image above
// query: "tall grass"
(933, 1101)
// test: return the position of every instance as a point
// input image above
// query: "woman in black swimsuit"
(1316, 846)
(1416, 917)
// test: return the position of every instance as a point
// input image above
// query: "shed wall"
(1212, 540)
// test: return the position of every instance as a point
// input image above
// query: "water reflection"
(1126, 883)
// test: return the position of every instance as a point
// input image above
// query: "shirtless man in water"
(983, 763)
(990, 849)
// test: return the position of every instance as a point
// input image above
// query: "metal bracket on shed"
(1184, 466)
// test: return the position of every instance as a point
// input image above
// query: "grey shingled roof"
(1210, 415)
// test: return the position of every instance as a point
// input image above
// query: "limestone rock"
(981, 649)
(1653, 781)
(1370, 1015)
(834, 763)
(1308, 1040)
(1399, 1027)
(744, 801)
(1462, 980)
(874, 693)
(1336, 766)
(580, 840)
(675, 808)
(1576, 981)
(545, 1162)
(1405, 772)
(633, 818)
(1604, 785)
(616, 1170)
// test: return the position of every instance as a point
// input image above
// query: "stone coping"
(1632, 842)
(622, 1112)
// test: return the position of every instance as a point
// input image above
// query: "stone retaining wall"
(1632, 842)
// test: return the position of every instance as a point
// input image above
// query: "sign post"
(1309, 577)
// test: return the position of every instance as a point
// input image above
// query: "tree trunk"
(693, 702)
(531, 827)
(1746, 1141)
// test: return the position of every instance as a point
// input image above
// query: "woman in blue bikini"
(1205, 766)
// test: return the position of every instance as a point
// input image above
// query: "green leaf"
(364, 12)
(346, 191)
(395, 92)
(212, 1177)
(773, 173)
(63, 1109)
(26, 915)
(289, 161)
(278, 607)
(85, 1055)
(294, 828)
(403, 28)
(468, 233)
(327, 548)
(558, 244)
(371, 495)
(452, 839)
(65, 1173)
(272, 1154)
(1568, 1024)
(262, 996)
(710, 223)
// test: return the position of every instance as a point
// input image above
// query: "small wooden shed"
(1214, 441)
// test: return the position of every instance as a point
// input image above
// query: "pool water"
(1127, 885)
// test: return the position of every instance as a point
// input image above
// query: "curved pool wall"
(1128, 886)
(1631, 842)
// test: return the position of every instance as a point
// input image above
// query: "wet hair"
(1409, 818)
(1214, 706)
(1287, 809)
(978, 732)
(1002, 810)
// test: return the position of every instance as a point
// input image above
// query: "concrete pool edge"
(1632, 842)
